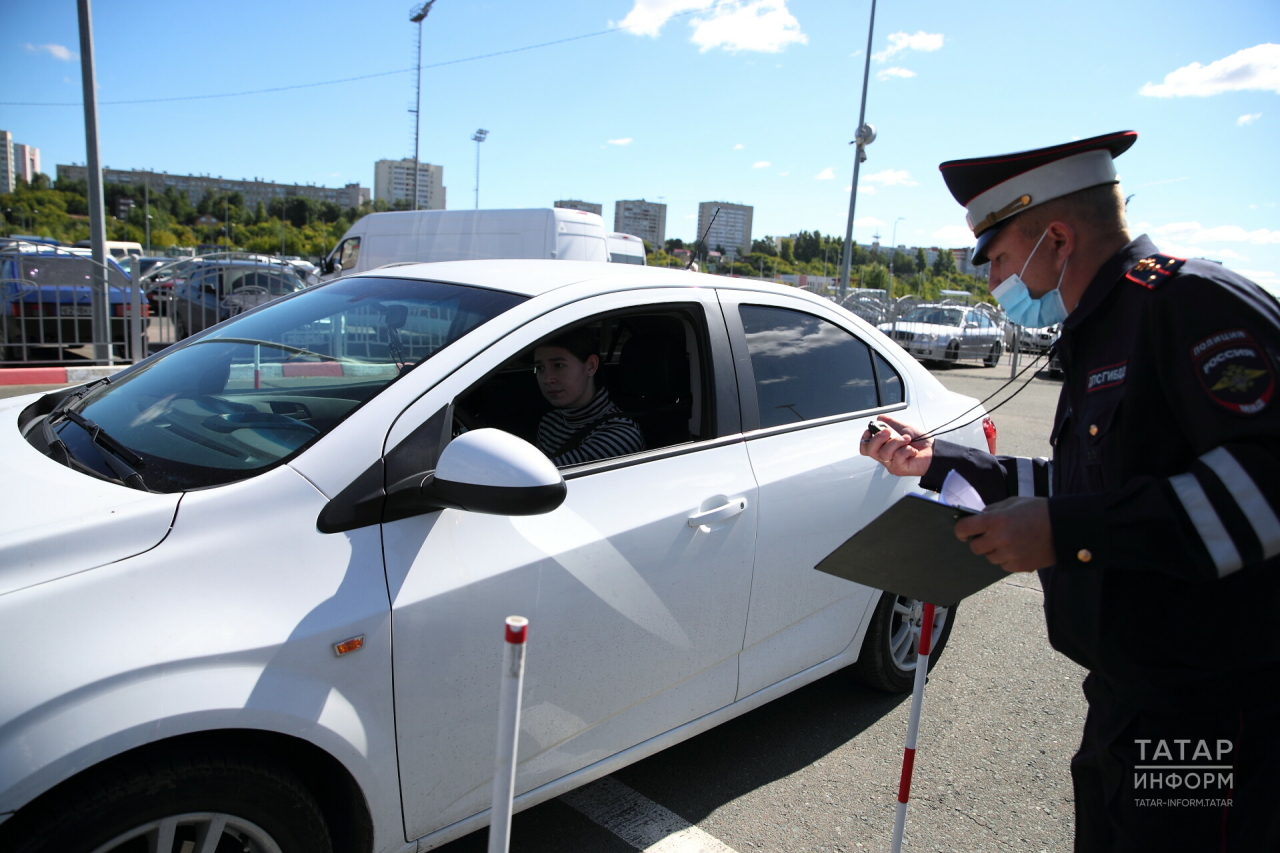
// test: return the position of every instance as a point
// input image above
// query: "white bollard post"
(913, 727)
(504, 764)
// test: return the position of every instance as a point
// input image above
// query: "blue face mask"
(1021, 308)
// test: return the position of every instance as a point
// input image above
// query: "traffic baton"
(913, 727)
(504, 763)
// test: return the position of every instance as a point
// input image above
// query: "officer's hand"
(1014, 534)
(895, 449)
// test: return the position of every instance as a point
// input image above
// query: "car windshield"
(255, 391)
(935, 315)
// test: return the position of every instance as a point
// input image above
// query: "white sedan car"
(257, 582)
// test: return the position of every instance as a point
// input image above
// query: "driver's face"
(565, 380)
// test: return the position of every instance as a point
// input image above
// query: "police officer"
(1155, 527)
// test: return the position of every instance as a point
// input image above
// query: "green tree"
(787, 253)
(944, 263)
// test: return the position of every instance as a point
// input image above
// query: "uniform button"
(1093, 429)
(1084, 555)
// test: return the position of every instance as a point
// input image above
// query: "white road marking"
(640, 821)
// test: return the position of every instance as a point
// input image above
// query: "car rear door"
(808, 384)
(637, 599)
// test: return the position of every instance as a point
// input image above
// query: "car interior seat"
(651, 383)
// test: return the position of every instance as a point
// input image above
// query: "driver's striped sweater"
(614, 435)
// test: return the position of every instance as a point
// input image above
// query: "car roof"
(536, 277)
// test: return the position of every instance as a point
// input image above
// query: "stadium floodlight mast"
(478, 137)
(417, 16)
(865, 136)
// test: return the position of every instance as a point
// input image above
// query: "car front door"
(808, 386)
(636, 587)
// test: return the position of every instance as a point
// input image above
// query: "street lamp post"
(478, 137)
(865, 135)
(417, 16)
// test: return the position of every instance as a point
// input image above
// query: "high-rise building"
(586, 206)
(645, 219)
(26, 162)
(6, 162)
(731, 230)
(195, 186)
(393, 181)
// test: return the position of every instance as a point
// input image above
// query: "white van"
(415, 236)
(626, 248)
(118, 249)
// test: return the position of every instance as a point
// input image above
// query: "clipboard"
(911, 549)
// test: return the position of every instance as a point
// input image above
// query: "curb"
(55, 375)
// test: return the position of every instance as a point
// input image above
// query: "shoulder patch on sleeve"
(1154, 270)
(1235, 371)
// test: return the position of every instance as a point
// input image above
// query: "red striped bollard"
(913, 727)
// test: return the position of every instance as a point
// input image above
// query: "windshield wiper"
(122, 461)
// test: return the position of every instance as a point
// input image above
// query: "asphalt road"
(817, 770)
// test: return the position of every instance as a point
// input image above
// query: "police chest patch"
(1106, 377)
(1235, 371)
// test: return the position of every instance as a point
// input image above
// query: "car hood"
(55, 521)
(919, 328)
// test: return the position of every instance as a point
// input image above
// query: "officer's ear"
(1061, 239)
(593, 364)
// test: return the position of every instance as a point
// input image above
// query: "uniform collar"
(1111, 272)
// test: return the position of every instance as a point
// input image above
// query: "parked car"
(948, 333)
(47, 296)
(203, 292)
(1037, 340)
(206, 557)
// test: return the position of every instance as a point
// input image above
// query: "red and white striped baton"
(913, 727)
(504, 763)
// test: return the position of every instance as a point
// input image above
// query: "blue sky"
(751, 101)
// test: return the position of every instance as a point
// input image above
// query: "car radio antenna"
(694, 254)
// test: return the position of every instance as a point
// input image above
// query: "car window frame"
(746, 379)
(724, 411)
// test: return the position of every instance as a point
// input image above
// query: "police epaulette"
(1152, 271)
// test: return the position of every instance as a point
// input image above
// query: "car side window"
(348, 252)
(805, 367)
(650, 365)
(889, 382)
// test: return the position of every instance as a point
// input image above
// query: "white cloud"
(626, 140)
(783, 174)
(764, 25)
(761, 164)
(57, 51)
(903, 41)
(1195, 234)
(1256, 68)
(953, 235)
(738, 147)
(1248, 119)
(867, 222)
(827, 174)
(891, 177)
(895, 71)
(759, 25)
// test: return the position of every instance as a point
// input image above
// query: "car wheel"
(953, 352)
(993, 357)
(173, 805)
(179, 328)
(891, 648)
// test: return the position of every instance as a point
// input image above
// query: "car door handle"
(720, 513)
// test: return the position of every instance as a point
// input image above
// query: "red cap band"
(517, 629)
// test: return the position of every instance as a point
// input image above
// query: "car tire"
(891, 648)
(993, 357)
(953, 352)
(179, 328)
(258, 809)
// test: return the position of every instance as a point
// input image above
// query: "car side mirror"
(484, 470)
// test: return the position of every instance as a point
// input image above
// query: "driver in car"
(584, 424)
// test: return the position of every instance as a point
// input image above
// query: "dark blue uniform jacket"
(1164, 489)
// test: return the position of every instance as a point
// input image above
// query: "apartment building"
(393, 181)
